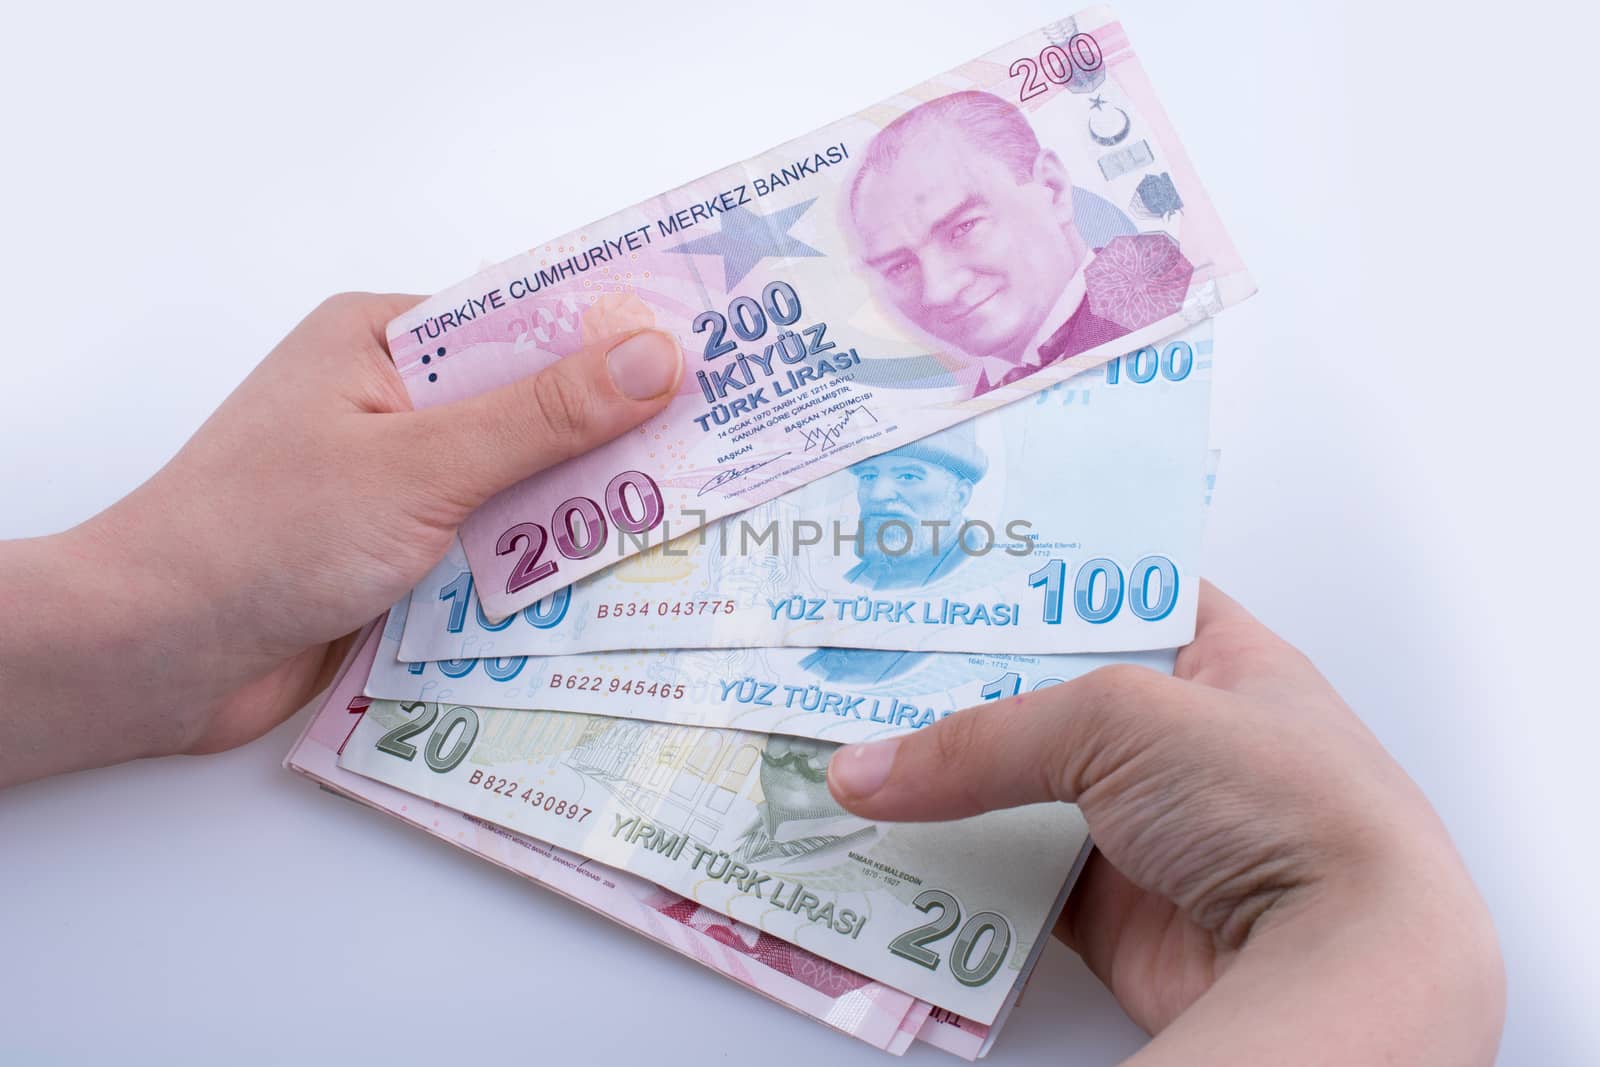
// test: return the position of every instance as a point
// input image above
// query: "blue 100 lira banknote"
(828, 694)
(1070, 521)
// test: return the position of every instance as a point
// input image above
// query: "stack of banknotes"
(942, 438)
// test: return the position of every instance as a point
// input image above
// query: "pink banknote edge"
(956, 1035)
(872, 1012)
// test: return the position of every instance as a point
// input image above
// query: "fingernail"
(645, 365)
(860, 770)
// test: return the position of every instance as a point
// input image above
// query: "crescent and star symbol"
(1097, 103)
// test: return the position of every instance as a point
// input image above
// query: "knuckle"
(1252, 646)
(1261, 660)
(1116, 713)
(1256, 659)
(958, 739)
(1116, 684)
(352, 316)
(961, 750)
(561, 403)
(340, 304)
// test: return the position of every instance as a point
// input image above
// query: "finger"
(1219, 621)
(1217, 609)
(1232, 650)
(1110, 921)
(393, 305)
(349, 325)
(1096, 912)
(371, 313)
(491, 441)
(1052, 744)
(358, 318)
(377, 310)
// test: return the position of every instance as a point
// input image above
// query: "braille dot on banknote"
(426, 359)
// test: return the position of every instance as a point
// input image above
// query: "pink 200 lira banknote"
(981, 236)
(870, 1011)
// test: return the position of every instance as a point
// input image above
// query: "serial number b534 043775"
(627, 609)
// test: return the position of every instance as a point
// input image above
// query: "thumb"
(1051, 744)
(578, 402)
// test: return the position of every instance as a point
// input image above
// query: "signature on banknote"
(826, 436)
(733, 473)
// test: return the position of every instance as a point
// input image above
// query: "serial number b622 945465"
(602, 683)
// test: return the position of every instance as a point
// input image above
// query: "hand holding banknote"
(209, 603)
(1264, 859)
(1261, 857)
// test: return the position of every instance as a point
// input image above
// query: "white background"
(1407, 413)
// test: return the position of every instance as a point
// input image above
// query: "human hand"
(1269, 886)
(214, 600)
